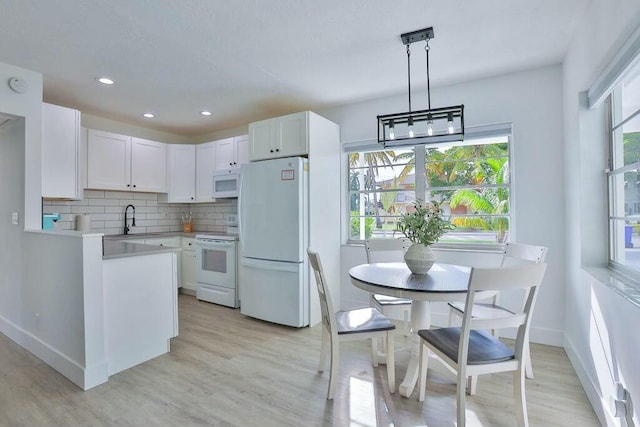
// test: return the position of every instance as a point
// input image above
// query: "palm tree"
(373, 161)
(493, 201)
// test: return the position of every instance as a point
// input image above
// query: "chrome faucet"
(133, 218)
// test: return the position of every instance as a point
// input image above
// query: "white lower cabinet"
(188, 279)
(135, 332)
(186, 261)
(173, 242)
(163, 241)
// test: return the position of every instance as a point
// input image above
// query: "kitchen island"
(140, 302)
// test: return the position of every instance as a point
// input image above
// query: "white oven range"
(216, 269)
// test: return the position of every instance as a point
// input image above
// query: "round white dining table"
(443, 282)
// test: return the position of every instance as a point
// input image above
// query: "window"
(381, 186)
(624, 174)
(471, 178)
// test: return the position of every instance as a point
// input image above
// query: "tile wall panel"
(107, 212)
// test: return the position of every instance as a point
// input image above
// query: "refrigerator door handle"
(240, 209)
(271, 265)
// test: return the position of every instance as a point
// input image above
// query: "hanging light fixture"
(429, 126)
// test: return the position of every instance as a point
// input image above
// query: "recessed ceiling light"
(149, 115)
(105, 80)
(205, 113)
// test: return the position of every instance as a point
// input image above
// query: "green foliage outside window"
(355, 225)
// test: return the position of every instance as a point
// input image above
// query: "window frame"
(613, 109)
(472, 133)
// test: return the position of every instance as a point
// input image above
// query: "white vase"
(419, 258)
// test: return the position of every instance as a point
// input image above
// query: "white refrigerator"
(274, 232)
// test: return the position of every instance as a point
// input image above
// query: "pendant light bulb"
(392, 133)
(450, 124)
(411, 131)
(429, 125)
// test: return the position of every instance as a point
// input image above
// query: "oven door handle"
(214, 243)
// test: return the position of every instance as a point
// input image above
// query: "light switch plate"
(15, 218)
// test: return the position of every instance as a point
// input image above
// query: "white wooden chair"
(471, 351)
(513, 254)
(389, 250)
(364, 323)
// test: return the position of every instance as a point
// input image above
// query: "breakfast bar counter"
(118, 249)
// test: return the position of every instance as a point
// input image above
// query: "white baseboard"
(85, 378)
(600, 406)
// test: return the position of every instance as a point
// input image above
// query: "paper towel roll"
(83, 222)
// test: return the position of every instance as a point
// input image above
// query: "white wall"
(28, 106)
(41, 285)
(19, 139)
(11, 200)
(532, 101)
(600, 325)
(94, 122)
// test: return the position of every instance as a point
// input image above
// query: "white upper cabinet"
(231, 153)
(108, 161)
(225, 154)
(122, 163)
(205, 165)
(242, 149)
(284, 136)
(61, 152)
(181, 174)
(148, 166)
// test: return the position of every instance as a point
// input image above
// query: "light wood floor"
(226, 369)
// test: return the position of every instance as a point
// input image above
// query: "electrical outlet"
(15, 218)
(37, 317)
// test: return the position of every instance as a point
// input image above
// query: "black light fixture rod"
(409, 74)
(426, 48)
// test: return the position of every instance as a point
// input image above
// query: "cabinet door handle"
(230, 163)
(189, 244)
(277, 149)
(272, 150)
(192, 198)
(134, 186)
(128, 185)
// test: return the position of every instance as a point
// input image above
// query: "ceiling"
(246, 60)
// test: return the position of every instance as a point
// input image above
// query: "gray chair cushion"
(362, 320)
(483, 347)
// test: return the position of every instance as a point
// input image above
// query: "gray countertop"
(164, 234)
(148, 235)
(119, 249)
(116, 245)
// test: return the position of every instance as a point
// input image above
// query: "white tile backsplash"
(107, 212)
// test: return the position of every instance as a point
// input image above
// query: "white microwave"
(226, 183)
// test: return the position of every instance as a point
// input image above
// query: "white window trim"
(471, 132)
(613, 73)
